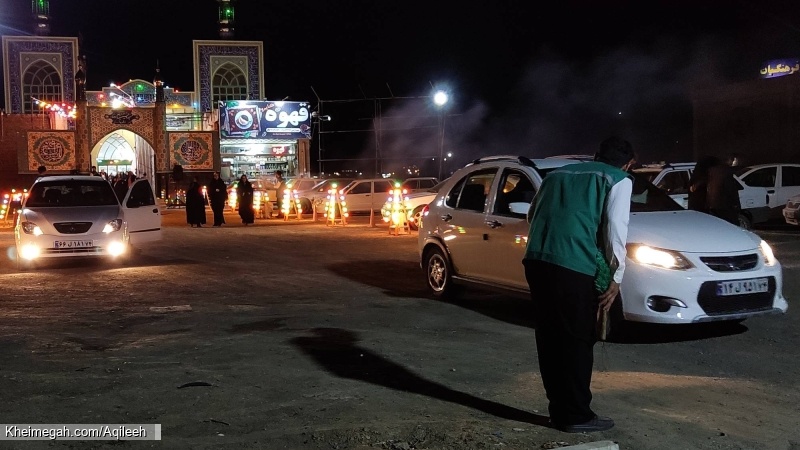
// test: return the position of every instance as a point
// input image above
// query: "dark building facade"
(758, 120)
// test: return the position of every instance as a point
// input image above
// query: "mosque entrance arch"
(122, 151)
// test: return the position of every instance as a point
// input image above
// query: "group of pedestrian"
(217, 192)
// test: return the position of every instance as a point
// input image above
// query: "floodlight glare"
(440, 98)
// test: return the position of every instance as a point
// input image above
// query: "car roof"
(761, 166)
(555, 162)
(68, 177)
(662, 166)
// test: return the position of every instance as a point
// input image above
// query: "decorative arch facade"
(209, 56)
(21, 52)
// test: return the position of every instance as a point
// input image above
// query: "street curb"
(599, 445)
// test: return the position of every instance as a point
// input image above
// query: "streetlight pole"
(441, 142)
(440, 99)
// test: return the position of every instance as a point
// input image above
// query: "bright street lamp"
(440, 98)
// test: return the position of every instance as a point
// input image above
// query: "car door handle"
(447, 217)
(771, 191)
(493, 223)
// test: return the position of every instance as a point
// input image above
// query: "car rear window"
(65, 193)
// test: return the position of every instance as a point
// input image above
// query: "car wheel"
(439, 273)
(305, 206)
(745, 221)
(416, 217)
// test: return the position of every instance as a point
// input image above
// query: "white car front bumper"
(693, 295)
(44, 246)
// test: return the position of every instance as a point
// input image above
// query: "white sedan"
(79, 215)
(682, 266)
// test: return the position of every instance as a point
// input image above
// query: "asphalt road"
(299, 335)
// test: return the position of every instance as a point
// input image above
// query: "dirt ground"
(295, 335)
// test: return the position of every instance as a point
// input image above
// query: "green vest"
(568, 215)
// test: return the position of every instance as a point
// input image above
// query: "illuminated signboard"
(264, 119)
(780, 67)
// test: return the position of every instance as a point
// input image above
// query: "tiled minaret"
(82, 150)
(41, 17)
(227, 18)
(160, 125)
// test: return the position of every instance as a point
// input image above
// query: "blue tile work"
(206, 51)
(38, 46)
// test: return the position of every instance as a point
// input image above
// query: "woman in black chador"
(195, 205)
(244, 194)
(218, 193)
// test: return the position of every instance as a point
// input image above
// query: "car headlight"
(112, 226)
(766, 252)
(31, 228)
(667, 259)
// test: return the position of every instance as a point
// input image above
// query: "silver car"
(78, 215)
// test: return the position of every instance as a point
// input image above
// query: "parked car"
(315, 196)
(417, 201)
(782, 181)
(368, 194)
(265, 197)
(682, 266)
(80, 216)
(674, 179)
(416, 184)
(791, 213)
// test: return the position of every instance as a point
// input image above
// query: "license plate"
(73, 244)
(739, 287)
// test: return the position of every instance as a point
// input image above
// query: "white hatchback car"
(80, 215)
(683, 266)
(782, 182)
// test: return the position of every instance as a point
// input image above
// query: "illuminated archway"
(122, 151)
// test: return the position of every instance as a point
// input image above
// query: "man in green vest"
(574, 262)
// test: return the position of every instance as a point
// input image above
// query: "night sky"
(524, 78)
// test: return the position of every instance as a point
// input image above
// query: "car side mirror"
(519, 207)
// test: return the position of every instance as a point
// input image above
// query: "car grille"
(714, 305)
(730, 263)
(72, 227)
(80, 250)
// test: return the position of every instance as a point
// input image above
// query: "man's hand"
(607, 298)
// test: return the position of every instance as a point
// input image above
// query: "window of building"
(229, 83)
(40, 81)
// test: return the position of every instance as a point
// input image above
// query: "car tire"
(416, 216)
(745, 222)
(306, 206)
(438, 273)
(23, 265)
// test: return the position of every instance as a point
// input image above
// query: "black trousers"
(565, 304)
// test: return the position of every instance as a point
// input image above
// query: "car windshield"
(64, 193)
(324, 185)
(647, 197)
(436, 188)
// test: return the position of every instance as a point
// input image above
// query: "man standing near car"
(578, 227)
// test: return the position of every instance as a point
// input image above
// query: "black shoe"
(596, 424)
